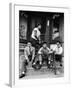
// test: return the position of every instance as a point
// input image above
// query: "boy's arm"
(48, 49)
(40, 51)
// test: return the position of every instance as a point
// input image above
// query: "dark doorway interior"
(34, 19)
(28, 20)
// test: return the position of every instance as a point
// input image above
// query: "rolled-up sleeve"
(60, 51)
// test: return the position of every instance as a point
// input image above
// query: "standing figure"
(35, 41)
(38, 33)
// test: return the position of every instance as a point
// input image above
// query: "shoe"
(49, 62)
(61, 65)
(22, 75)
(33, 63)
(48, 67)
(40, 63)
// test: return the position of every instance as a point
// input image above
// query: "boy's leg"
(23, 68)
(60, 60)
(21, 64)
(47, 61)
(40, 59)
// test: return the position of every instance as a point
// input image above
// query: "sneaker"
(40, 63)
(33, 63)
(61, 65)
(22, 75)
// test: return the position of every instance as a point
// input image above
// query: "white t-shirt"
(38, 33)
(58, 50)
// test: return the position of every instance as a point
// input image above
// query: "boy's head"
(39, 26)
(58, 43)
(29, 44)
(44, 44)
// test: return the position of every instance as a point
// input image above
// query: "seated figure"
(43, 54)
(58, 52)
(29, 54)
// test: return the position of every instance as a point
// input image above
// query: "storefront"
(52, 26)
